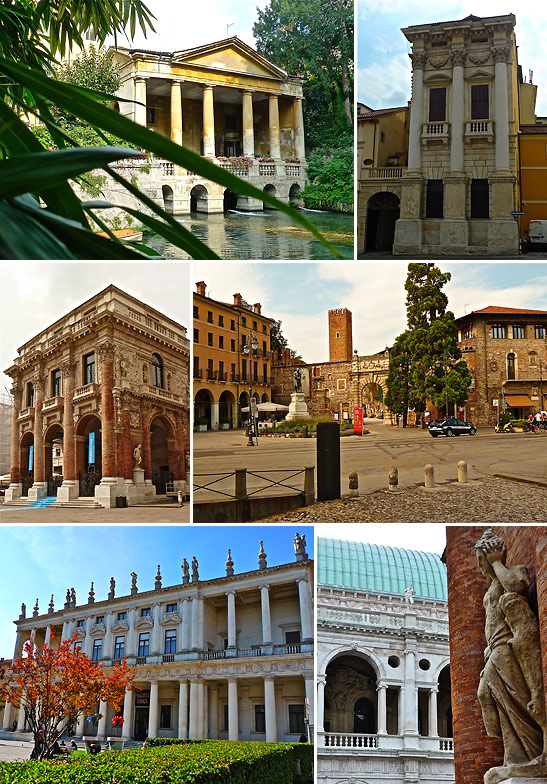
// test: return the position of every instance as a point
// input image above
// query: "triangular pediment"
(230, 55)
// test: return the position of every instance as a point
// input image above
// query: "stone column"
(153, 714)
(213, 712)
(205, 724)
(382, 709)
(7, 720)
(176, 111)
(215, 415)
(88, 639)
(181, 465)
(108, 637)
(14, 490)
(127, 714)
(155, 640)
(501, 102)
(231, 619)
(409, 711)
(197, 623)
(140, 100)
(193, 729)
(80, 724)
(248, 124)
(321, 683)
(69, 489)
(208, 122)
(127, 462)
(416, 112)
(185, 635)
(21, 718)
(298, 125)
(233, 729)
(309, 686)
(275, 138)
(457, 112)
(269, 710)
(433, 728)
(101, 728)
(146, 450)
(201, 709)
(266, 619)
(131, 648)
(306, 619)
(39, 486)
(183, 710)
(47, 636)
(108, 444)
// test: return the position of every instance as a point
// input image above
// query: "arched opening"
(202, 409)
(364, 717)
(53, 445)
(88, 453)
(383, 210)
(243, 403)
(167, 193)
(372, 396)
(157, 371)
(511, 366)
(226, 410)
(230, 200)
(26, 457)
(162, 458)
(272, 191)
(444, 705)
(294, 195)
(350, 693)
(199, 199)
(264, 398)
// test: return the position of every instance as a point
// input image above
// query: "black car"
(452, 426)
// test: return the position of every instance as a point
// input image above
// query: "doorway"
(382, 213)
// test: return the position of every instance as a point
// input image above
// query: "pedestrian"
(531, 423)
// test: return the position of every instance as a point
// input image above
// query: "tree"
(55, 684)
(278, 341)
(93, 68)
(398, 395)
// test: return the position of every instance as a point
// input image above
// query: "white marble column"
(305, 610)
(155, 639)
(64, 633)
(21, 718)
(269, 710)
(215, 415)
(299, 129)
(131, 647)
(108, 637)
(47, 636)
(208, 122)
(80, 724)
(433, 726)
(275, 138)
(101, 728)
(140, 100)
(248, 124)
(197, 623)
(128, 703)
(205, 726)
(213, 712)
(183, 710)
(321, 682)
(501, 101)
(233, 729)
(457, 112)
(88, 639)
(7, 720)
(176, 111)
(266, 618)
(185, 632)
(201, 708)
(309, 686)
(416, 112)
(154, 710)
(231, 619)
(410, 723)
(193, 728)
(382, 709)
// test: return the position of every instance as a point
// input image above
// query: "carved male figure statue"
(137, 454)
(297, 380)
(185, 570)
(511, 691)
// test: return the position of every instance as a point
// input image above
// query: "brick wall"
(322, 376)
(340, 335)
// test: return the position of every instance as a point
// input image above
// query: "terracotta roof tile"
(498, 309)
(380, 112)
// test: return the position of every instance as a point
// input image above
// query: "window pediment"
(433, 78)
(97, 630)
(145, 622)
(170, 618)
(480, 74)
(120, 626)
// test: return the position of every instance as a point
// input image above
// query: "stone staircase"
(76, 503)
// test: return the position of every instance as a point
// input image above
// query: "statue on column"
(67, 599)
(112, 592)
(72, 597)
(297, 380)
(300, 547)
(262, 563)
(134, 588)
(511, 691)
(185, 572)
(195, 573)
(23, 614)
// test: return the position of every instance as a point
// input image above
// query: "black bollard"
(328, 461)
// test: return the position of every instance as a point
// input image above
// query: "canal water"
(263, 235)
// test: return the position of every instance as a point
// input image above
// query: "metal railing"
(351, 740)
(240, 481)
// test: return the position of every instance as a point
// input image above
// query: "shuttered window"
(480, 201)
(434, 200)
(479, 102)
(437, 104)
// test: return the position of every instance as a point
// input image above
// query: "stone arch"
(264, 398)
(383, 210)
(199, 199)
(294, 197)
(53, 456)
(369, 393)
(345, 650)
(229, 201)
(88, 452)
(203, 401)
(168, 198)
(351, 692)
(227, 409)
(27, 473)
(444, 703)
(165, 452)
(271, 189)
(243, 402)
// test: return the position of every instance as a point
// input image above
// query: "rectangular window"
(56, 383)
(144, 644)
(499, 331)
(97, 650)
(232, 345)
(89, 368)
(232, 325)
(210, 371)
(340, 384)
(209, 316)
(255, 325)
(196, 367)
(296, 719)
(165, 717)
(479, 102)
(196, 311)
(519, 331)
(80, 624)
(437, 104)
(220, 370)
(122, 616)
(264, 329)
(209, 338)
(171, 608)
(221, 341)
(244, 370)
(119, 647)
(292, 638)
(480, 199)
(145, 611)
(434, 199)
(255, 372)
(244, 321)
(233, 370)
(264, 349)
(467, 333)
(221, 321)
(260, 718)
(171, 641)
(150, 116)
(30, 395)
(265, 372)
(99, 619)
(539, 332)
(196, 335)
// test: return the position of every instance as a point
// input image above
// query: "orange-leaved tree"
(56, 683)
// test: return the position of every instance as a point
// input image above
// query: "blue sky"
(301, 294)
(383, 63)
(40, 560)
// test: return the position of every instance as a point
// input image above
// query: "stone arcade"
(230, 657)
(108, 382)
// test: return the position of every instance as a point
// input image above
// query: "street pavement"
(156, 514)
(15, 750)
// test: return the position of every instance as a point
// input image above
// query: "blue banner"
(31, 458)
(91, 449)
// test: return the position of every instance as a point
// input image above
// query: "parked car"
(451, 426)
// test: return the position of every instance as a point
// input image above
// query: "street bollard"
(462, 472)
(394, 478)
(309, 485)
(353, 484)
(180, 498)
(241, 482)
(429, 475)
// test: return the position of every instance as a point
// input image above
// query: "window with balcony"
(196, 311)
(296, 719)
(80, 624)
(170, 641)
(220, 370)
(480, 199)
(30, 395)
(499, 331)
(89, 369)
(56, 383)
(145, 611)
(209, 338)
(292, 638)
(210, 370)
(157, 371)
(260, 718)
(511, 366)
(196, 335)
(539, 332)
(519, 331)
(144, 644)
(480, 109)
(209, 316)
(244, 370)
(171, 608)
(255, 372)
(122, 616)
(437, 104)
(97, 652)
(265, 372)
(264, 349)
(119, 647)
(221, 341)
(434, 207)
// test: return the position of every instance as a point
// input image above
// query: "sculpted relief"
(511, 690)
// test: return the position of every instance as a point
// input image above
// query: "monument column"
(176, 111)
(39, 486)
(231, 619)
(69, 489)
(248, 124)
(275, 138)
(208, 122)
(382, 710)
(298, 125)
(266, 618)
(269, 710)
(183, 710)
(140, 100)
(15, 487)
(127, 714)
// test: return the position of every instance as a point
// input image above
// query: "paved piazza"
(15, 750)
(134, 514)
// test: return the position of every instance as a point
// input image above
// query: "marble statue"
(137, 454)
(195, 573)
(511, 692)
(134, 588)
(297, 380)
(73, 597)
(23, 611)
(112, 592)
(185, 570)
(409, 594)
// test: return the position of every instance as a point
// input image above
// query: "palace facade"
(106, 388)
(229, 657)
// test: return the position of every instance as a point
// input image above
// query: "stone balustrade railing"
(379, 620)
(435, 130)
(351, 740)
(446, 744)
(384, 172)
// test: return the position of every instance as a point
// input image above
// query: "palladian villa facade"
(223, 101)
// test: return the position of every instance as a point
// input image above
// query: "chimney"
(257, 307)
(237, 299)
(201, 286)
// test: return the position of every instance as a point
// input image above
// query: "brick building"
(474, 751)
(223, 371)
(108, 381)
(506, 351)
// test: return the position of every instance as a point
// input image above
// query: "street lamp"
(250, 350)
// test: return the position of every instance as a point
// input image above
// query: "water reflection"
(262, 235)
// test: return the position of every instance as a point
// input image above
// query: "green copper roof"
(372, 567)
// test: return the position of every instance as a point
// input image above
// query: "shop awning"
(518, 401)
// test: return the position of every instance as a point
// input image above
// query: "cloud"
(384, 83)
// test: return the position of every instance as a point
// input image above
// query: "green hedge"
(210, 762)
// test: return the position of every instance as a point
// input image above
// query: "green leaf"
(25, 238)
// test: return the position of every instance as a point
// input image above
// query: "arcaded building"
(229, 657)
(107, 388)
(384, 707)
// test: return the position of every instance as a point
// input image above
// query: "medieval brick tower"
(340, 336)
